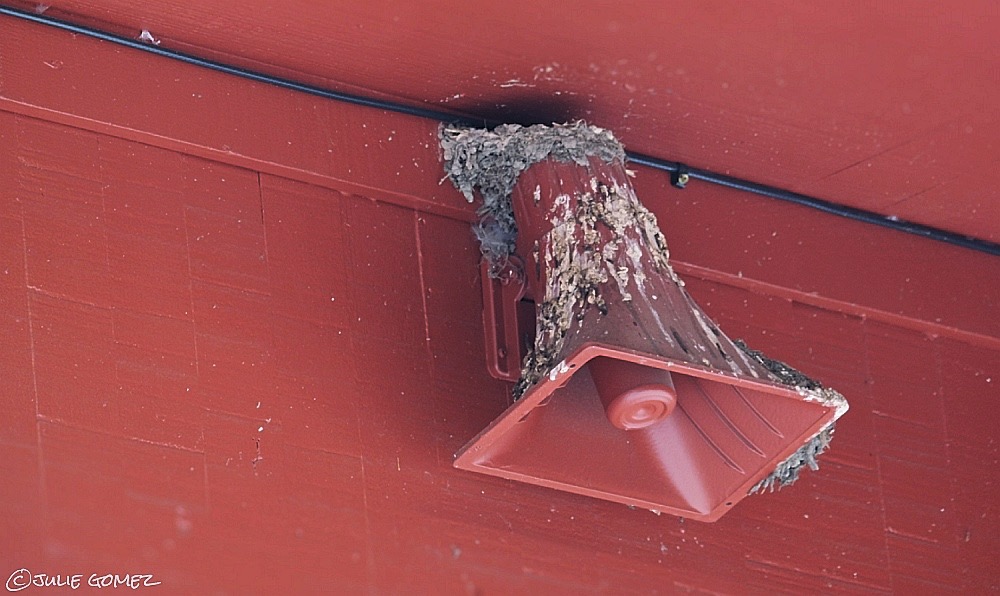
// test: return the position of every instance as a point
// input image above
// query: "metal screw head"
(679, 179)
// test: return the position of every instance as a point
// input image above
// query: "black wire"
(242, 72)
(676, 169)
(854, 213)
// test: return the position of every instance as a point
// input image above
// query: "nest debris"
(787, 472)
(578, 262)
(492, 160)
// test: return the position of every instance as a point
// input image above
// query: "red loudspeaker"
(628, 391)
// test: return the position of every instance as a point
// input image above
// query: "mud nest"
(492, 160)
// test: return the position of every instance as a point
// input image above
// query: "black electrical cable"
(680, 173)
(153, 48)
(678, 169)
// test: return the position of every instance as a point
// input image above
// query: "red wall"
(242, 341)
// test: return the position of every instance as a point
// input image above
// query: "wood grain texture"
(888, 107)
(245, 368)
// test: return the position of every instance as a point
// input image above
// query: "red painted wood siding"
(888, 107)
(242, 341)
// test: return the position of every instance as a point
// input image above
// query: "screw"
(679, 178)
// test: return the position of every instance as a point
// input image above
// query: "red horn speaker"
(627, 391)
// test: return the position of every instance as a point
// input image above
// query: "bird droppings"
(147, 37)
(579, 259)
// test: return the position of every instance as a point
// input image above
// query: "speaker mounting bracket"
(508, 318)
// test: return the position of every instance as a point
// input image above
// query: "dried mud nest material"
(787, 471)
(579, 262)
(492, 160)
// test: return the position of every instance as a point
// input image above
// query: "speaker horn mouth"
(634, 396)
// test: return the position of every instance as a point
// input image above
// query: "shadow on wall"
(525, 110)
